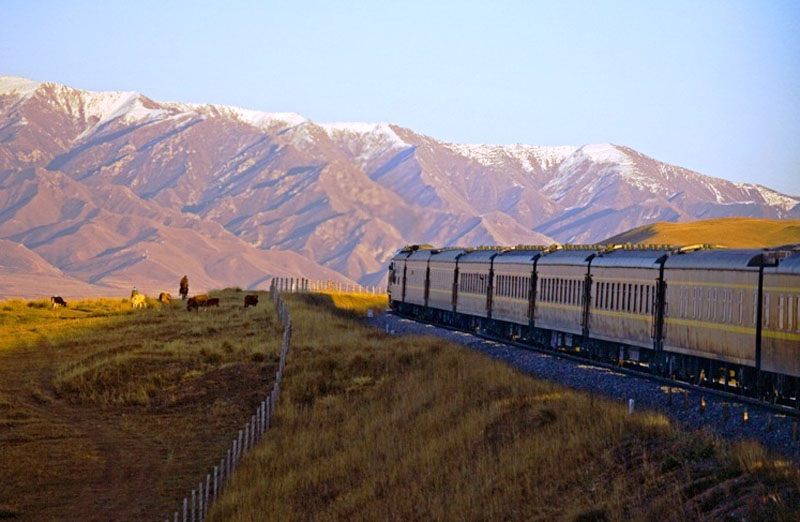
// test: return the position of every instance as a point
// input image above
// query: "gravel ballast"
(723, 417)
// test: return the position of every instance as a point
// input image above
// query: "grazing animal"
(250, 300)
(214, 301)
(138, 301)
(164, 298)
(58, 301)
(196, 302)
(184, 287)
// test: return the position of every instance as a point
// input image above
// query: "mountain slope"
(730, 232)
(77, 167)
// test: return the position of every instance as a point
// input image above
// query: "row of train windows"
(788, 311)
(472, 283)
(564, 291)
(725, 305)
(516, 287)
(722, 305)
(624, 297)
(441, 279)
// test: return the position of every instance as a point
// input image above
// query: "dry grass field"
(736, 232)
(374, 427)
(107, 413)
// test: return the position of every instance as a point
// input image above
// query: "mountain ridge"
(343, 196)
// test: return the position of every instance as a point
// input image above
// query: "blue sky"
(711, 86)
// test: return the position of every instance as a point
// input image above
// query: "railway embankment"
(380, 426)
(724, 417)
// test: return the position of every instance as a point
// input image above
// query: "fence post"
(215, 483)
(185, 509)
(208, 490)
(229, 469)
(200, 501)
(246, 437)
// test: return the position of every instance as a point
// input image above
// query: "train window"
(712, 303)
(730, 305)
(766, 309)
(741, 306)
(607, 296)
(636, 299)
(647, 300)
(781, 310)
(629, 302)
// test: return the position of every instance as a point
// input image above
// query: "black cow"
(58, 301)
(250, 300)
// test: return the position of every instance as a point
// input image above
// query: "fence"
(294, 285)
(195, 506)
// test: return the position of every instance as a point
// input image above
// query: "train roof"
(519, 256)
(734, 259)
(571, 256)
(447, 254)
(632, 258)
(420, 255)
(789, 265)
(406, 251)
(483, 255)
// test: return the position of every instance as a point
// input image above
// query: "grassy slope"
(107, 413)
(372, 427)
(731, 232)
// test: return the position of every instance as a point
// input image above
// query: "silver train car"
(718, 317)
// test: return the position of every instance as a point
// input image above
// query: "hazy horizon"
(711, 87)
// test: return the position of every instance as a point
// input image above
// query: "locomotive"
(725, 318)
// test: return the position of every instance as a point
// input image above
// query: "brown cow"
(214, 301)
(196, 302)
(164, 298)
(250, 300)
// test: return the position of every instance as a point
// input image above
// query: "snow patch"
(771, 197)
(19, 86)
(526, 155)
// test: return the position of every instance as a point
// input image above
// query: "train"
(724, 318)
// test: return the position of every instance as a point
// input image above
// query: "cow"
(214, 301)
(138, 301)
(250, 300)
(164, 298)
(196, 302)
(57, 300)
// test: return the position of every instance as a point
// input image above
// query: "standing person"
(134, 292)
(184, 289)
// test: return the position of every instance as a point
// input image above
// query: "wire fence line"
(299, 284)
(195, 505)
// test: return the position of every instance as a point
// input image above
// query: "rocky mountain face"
(114, 188)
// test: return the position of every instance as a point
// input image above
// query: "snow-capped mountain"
(86, 177)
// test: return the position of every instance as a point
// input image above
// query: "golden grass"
(109, 413)
(736, 232)
(373, 427)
